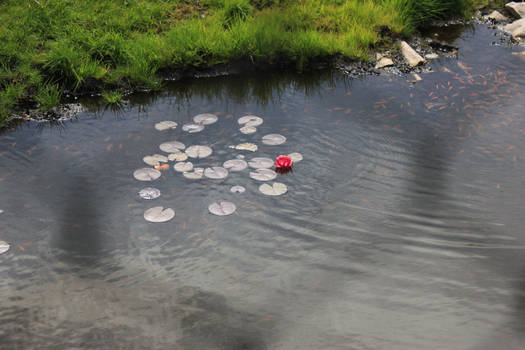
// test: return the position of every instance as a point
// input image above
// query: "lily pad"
(247, 147)
(196, 174)
(263, 174)
(248, 130)
(260, 163)
(273, 139)
(205, 119)
(149, 193)
(198, 151)
(177, 156)
(183, 167)
(192, 128)
(172, 146)
(250, 120)
(237, 189)
(146, 174)
(296, 157)
(4, 247)
(276, 189)
(155, 159)
(235, 165)
(159, 214)
(222, 208)
(216, 172)
(165, 125)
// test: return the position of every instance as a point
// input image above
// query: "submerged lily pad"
(183, 166)
(192, 128)
(205, 118)
(235, 165)
(247, 147)
(263, 174)
(276, 189)
(250, 120)
(198, 151)
(146, 174)
(296, 157)
(177, 156)
(159, 214)
(248, 130)
(196, 174)
(237, 189)
(149, 193)
(222, 208)
(172, 146)
(4, 247)
(165, 125)
(273, 139)
(260, 163)
(216, 172)
(155, 159)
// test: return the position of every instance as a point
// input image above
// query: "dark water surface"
(402, 227)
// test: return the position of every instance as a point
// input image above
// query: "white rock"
(165, 125)
(417, 78)
(411, 56)
(496, 17)
(518, 34)
(384, 62)
(431, 56)
(159, 214)
(516, 8)
(276, 189)
(514, 25)
(205, 119)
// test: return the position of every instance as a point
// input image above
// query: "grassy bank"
(51, 46)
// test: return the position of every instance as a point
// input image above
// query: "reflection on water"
(401, 228)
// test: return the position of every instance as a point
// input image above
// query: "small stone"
(417, 78)
(431, 56)
(384, 62)
(517, 9)
(496, 17)
(411, 56)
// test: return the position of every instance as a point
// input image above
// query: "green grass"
(93, 45)
(112, 97)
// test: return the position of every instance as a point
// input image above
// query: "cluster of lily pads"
(177, 152)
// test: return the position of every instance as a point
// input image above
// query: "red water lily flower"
(283, 162)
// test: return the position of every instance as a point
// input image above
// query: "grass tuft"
(113, 97)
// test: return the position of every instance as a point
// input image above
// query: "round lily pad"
(260, 163)
(247, 147)
(235, 165)
(183, 166)
(216, 172)
(149, 193)
(146, 174)
(296, 157)
(4, 247)
(248, 130)
(155, 159)
(177, 156)
(192, 128)
(222, 208)
(198, 151)
(237, 189)
(273, 139)
(263, 174)
(159, 214)
(196, 174)
(172, 146)
(165, 125)
(276, 189)
(205, 118)
(250, 120)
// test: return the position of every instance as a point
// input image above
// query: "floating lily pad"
(165, 125)
(247, 147)
(263, 174)
(146, 174)
(248, 130)
(276, 189)
(196, 174)
(237, 189)
(205, 119)
(192, 128)
(155, 159)
(222, 208)
(296, 157)
(273, 139)
(177, 156)
(172, 146)
(250, 120)
(149, 193)
(183, 166)
(4, 247)
(216, 172)
(235, 165)
(260, 163)
(198, 151)
(159, 214)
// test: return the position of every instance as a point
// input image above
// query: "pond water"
(402, 228)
